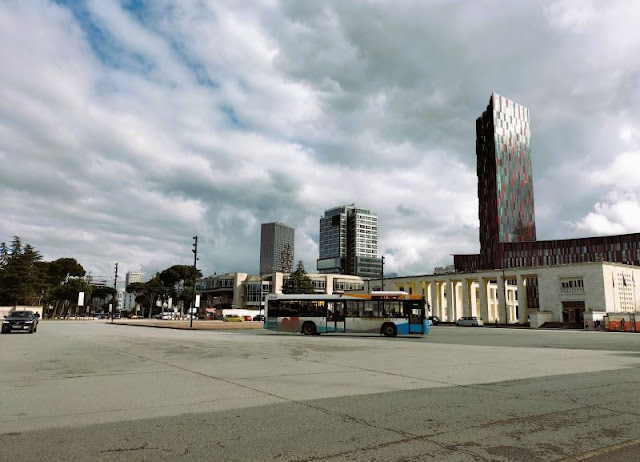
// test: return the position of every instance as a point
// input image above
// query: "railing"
(572, 290)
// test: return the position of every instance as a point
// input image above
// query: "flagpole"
(613, 281)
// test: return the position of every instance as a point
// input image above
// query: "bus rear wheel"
(309, 328)
(389, 330)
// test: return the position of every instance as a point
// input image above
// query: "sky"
(128, 127)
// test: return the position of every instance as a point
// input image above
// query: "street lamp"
(115, 294)
(195, 278)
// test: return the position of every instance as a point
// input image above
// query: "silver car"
(470, 321)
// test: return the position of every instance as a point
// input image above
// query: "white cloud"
(124, 133)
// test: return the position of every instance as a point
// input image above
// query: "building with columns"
(571, 294)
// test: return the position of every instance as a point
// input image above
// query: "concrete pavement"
(80, 391)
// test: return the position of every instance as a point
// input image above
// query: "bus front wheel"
(309, 328)
(389, 330)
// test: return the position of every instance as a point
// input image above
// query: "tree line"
(25, 279)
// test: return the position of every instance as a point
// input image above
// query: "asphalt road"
(90, 391)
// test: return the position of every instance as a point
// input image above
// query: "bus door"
(416, 318)
(335, 317)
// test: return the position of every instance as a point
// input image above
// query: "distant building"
(577, 294)
(245, 291)
(128, 300)
(348, 242)
(133, 276)
(277, 248)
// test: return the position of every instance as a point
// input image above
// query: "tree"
(180, 280)
(298, 282)
(19, 274)
(66, 295)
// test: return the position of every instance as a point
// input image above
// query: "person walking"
(622, 325)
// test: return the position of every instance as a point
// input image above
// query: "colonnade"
(495, 296)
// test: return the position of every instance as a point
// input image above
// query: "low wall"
(538, 318)
(4, 310)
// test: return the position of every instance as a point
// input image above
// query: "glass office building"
(277, 245)
(505, 186)
(348, 242)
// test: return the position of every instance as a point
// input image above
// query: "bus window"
(392, 308)
(353, 308)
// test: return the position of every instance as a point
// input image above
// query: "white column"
(466, 308)
(450, 297)
(502, 303)
(523, 316)
(435, 305)
(484, 305)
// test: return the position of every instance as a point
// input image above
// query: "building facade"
(505, 186)
(579, 293)
(506, 204)
(248, 292)
(133, 276)
(348, 242)
(277, 247)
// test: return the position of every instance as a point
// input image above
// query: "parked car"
(20, 320)
(434, 320)
(470, 321)
(258, 317)
(167, 315)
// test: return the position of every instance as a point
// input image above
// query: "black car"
(20, 320)
(434, 320)
(258, 317)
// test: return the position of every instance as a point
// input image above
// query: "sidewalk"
(198, 324)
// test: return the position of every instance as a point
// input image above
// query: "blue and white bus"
(384, 312)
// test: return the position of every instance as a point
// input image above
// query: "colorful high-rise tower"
(505, 184)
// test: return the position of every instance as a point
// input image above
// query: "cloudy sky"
(127, 127)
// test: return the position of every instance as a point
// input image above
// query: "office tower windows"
(349, 242)
(133, 276)
(505, 185)
(276, 248)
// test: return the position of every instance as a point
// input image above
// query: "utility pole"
(115, 294)
(195, 278)
(382, 275)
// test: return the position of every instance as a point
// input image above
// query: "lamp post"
(260, 305)
(195, 278)
(115, 294)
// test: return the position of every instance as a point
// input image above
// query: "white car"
(470, 321)
(167, 315)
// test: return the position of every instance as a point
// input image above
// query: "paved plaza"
(78, 391)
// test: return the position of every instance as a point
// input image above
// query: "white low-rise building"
(574, 294)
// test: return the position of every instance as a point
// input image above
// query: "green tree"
(19, 274)
(298, 282)
(66, 296)
(180, 280)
